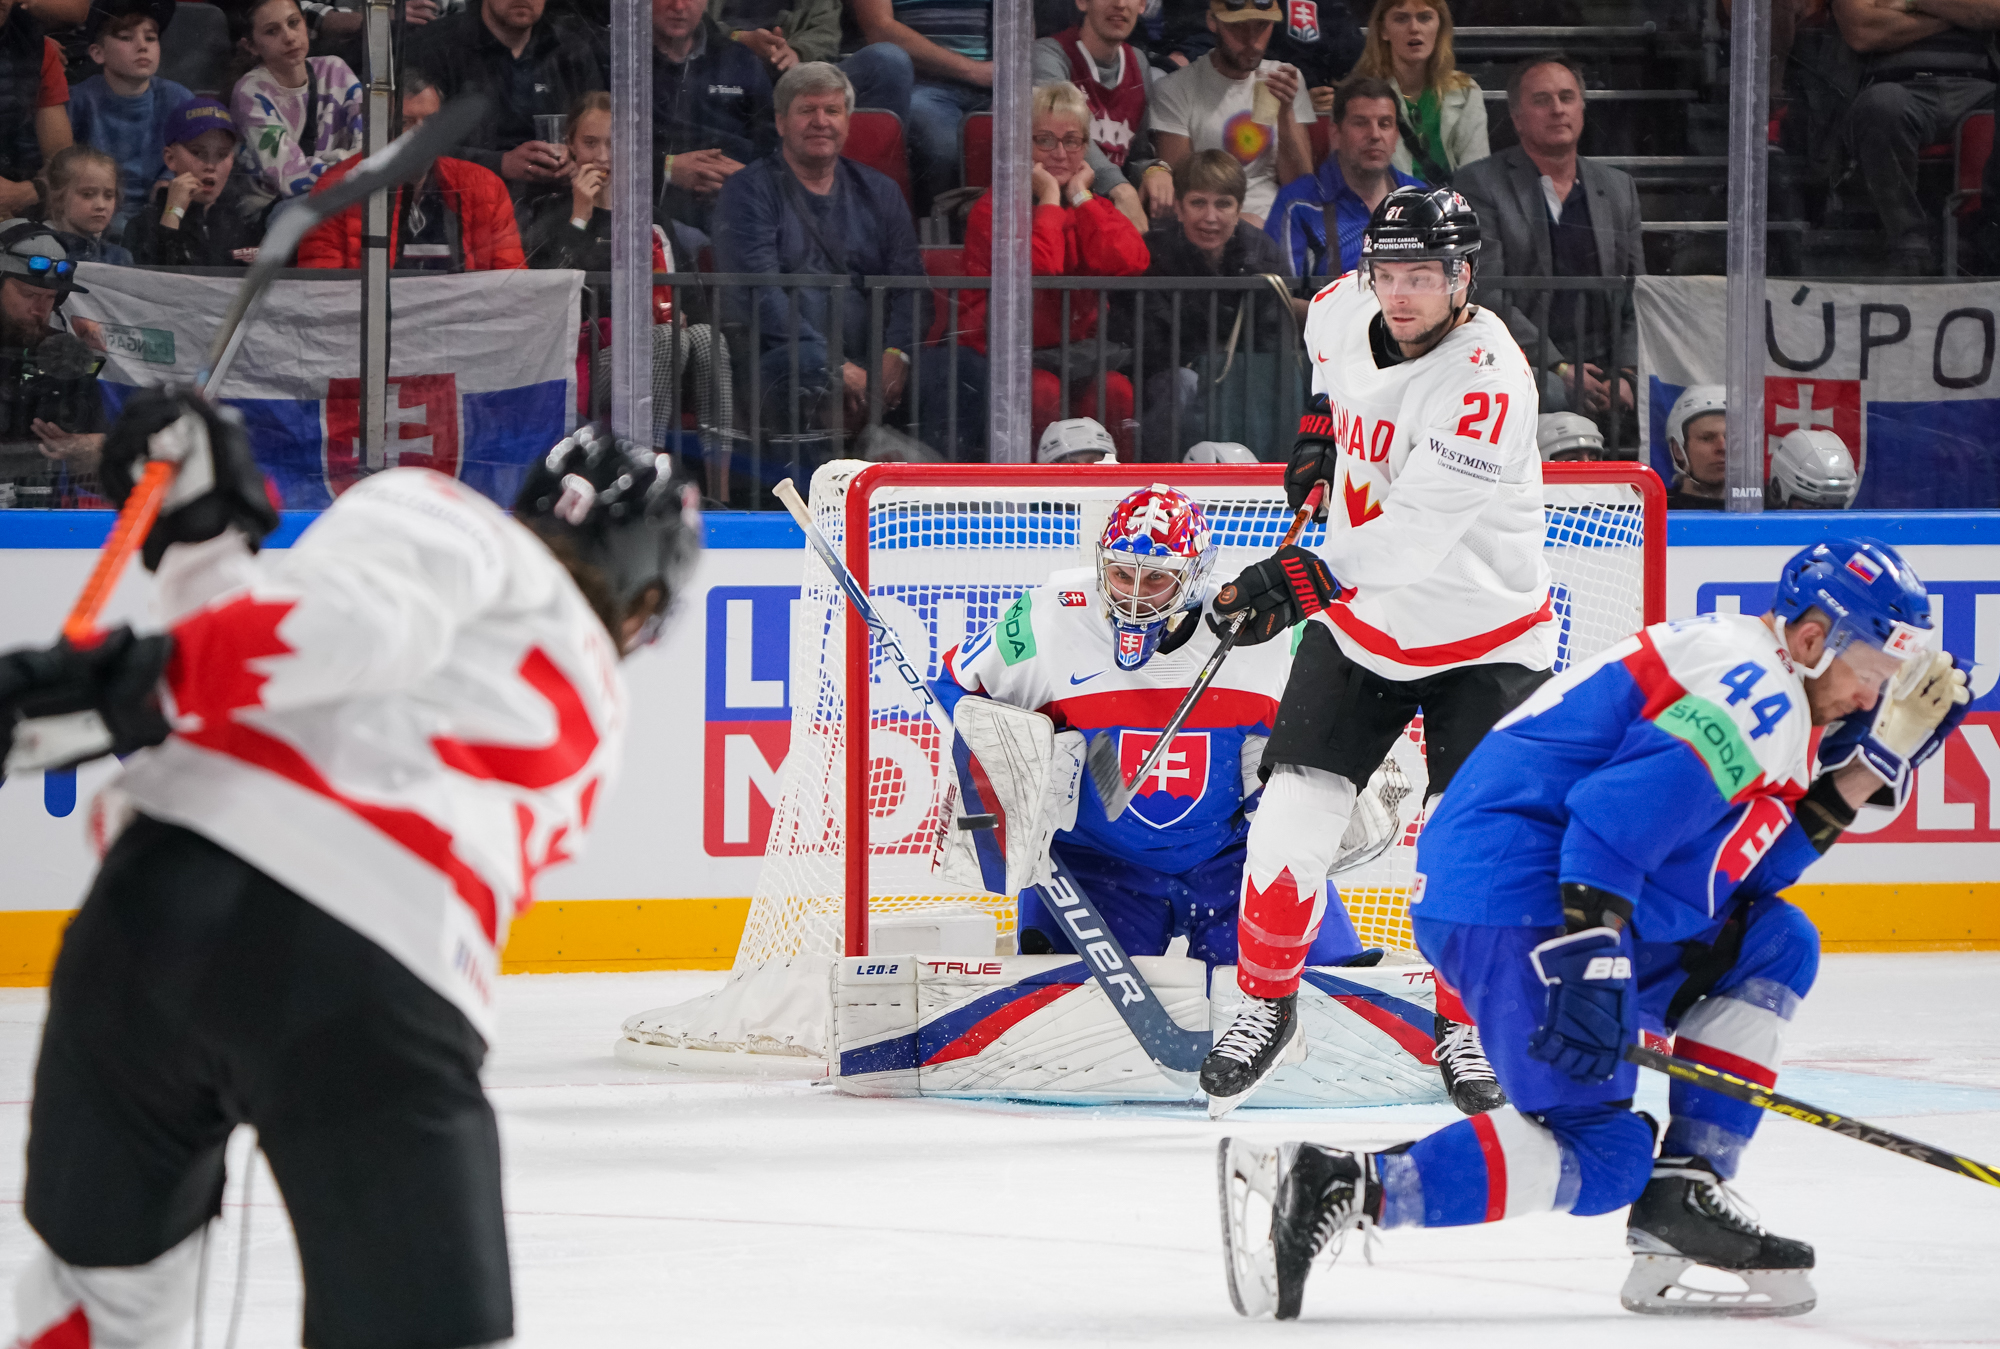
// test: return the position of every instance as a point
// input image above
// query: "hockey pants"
(1285, 897)
(1574, 1147)
(1146, 909)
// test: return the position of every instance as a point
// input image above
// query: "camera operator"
(51, 422)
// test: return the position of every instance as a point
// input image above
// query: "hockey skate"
(1687, 1217)
(1263, 1038)
(1247, 1182)
(1468, 1077)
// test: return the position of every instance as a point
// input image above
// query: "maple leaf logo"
(1477, 354)
(210, 671)
(1360, 510)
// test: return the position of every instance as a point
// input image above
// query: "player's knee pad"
(147, 1306)
(1298, 824)
(1611, 1149)
(1780, 944)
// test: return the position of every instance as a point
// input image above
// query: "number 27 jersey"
(1435, 522)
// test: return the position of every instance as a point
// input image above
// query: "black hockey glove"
(1313, 456)
(218, 483)
(1291, 585)
(117, 678)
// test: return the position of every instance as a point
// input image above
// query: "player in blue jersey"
(1609, 858)
(1115, 649)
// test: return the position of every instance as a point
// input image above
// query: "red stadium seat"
(1972, 146)
(1320, 132)
(975, 149)
(875, 138)
(942, 261)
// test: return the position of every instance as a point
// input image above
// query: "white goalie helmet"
(1568, 435)
(1811, 470)
(1076, 440)
(1697, 400)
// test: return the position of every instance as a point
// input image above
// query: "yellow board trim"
(592, 935)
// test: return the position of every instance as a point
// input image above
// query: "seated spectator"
(1335, 201)
(528, 64)
(1076, 233)
(1213, 104)
(457, 218)
(1440, 110)
(123, 111)
(781, 34)
(806, 210)
(1568, 437)
(1076, 440)
(1699, 443)
(1811, 470)
(940, 51)
(1114, 77)
(1924, 65)
(83, 198)
(711, 108)
(1207, 237)
(202, 216)
(50, 416)
(300, 115)
(33, 121)
(573, 229)
(1545, 210)
(1319, 38)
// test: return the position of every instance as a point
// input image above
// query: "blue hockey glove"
(1590, 1016)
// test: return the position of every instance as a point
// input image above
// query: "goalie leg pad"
(1017, 786)
(63, 1306)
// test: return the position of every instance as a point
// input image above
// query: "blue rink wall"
(675, 854)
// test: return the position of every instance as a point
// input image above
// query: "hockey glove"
(1591, 1014)
(1287, 587)
(1907, 729)
(217, 483)
(1313, 456)
(89, 700)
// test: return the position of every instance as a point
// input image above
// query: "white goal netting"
(943, 551)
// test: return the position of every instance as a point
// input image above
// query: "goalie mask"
(1880, 613)
(1152, 559)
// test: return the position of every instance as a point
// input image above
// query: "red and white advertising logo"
(423, 428)
(1177, 782)
(1815, 404)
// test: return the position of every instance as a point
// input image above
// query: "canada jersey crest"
(1176, 784)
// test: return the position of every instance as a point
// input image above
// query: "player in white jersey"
(1429, 594)
(348, 763)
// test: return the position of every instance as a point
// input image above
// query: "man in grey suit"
(1544, 210)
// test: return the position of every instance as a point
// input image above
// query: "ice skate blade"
(1293, 1052)
(1655, 1288)
(1246, 1180)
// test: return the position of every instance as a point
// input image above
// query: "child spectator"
(201, 217)
(124, 110)
(300, 115)
(1440, 109)
(33, 122)
(83, 199)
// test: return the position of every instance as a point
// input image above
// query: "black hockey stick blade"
(1727, 1084)
(1174, 1049)
(402, 160)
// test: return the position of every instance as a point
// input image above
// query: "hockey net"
(944, 550)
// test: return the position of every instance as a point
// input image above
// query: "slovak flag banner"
(482, 368)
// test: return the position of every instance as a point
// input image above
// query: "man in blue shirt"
(1347, 187)
(1610, 859)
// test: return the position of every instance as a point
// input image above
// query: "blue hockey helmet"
(1869, 595)
(1152, 558)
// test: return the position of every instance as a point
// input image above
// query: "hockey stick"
(1712, 1079)
(1175, 1051)
(1102, 759)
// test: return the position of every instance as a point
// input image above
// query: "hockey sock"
(149, 1306)
(1502, 1164)
(1293, 838)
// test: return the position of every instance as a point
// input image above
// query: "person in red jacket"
(458, 219)
(1076, 234)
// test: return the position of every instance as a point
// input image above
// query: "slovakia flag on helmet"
(1866, 567)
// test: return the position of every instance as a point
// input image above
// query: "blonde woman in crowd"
(1443, 114)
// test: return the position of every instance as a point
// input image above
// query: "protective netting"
(944, 562)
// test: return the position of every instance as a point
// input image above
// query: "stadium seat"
(875, 138)
(975, 149)
(942, 261)
(1320, 132)
(1972, 146)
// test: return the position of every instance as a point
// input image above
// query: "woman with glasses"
(1076, 233)
(1441, 112)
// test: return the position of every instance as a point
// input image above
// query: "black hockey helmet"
(611, 506)
(1412, 224)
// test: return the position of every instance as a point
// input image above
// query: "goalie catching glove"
(1287, 587)
(1018, 779)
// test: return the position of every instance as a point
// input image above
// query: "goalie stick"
(1174, 1050)
(1102, 758)
(1726, 1084)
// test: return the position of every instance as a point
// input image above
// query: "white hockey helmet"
(1076, 440)
(1568, 435)
(1811, 470)
(1218, 452)
(1696, 400)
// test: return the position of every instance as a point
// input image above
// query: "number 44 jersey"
(1435, 517)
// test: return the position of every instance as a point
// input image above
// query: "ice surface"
(647, 1212)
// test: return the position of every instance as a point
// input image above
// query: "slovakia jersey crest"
(1762, 820)
(1178, 781)
(1302, 19)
